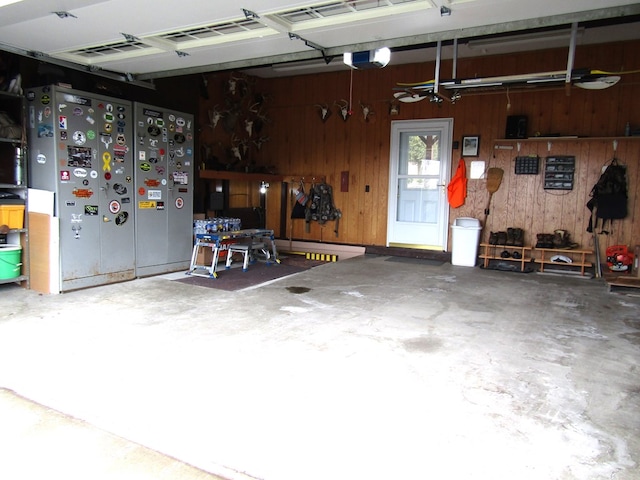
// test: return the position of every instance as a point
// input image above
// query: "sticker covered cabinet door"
(72, 136)
(164, 188)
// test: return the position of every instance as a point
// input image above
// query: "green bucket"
(10, 264)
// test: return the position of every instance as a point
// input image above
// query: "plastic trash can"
(464, 245)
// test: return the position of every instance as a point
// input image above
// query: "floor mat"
(258, 273)
(417, 261)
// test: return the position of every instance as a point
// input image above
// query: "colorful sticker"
(179, 203)
(180, 178)
(82, 192)
(119, 189)
(145, 205)
(91, 210)
(79, 138)
(106, 162)
(79, 156)
(114, 206)
(80, 173)
(65, 175)
(62, 122)
(120, 151)
(122, 218)
(151, 182)
(160, 206)
(91, 135)
(142, 191)
(154, 194)
(145, 167)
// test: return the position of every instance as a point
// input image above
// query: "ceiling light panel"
(180, 40)
(108, 53)
(346, 11)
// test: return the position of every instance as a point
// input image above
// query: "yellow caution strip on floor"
(323, 257)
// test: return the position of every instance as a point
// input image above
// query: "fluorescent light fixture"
(524, 39)
(4, 3)
(598, 83)
(378, 58)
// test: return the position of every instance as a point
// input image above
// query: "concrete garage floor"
(382, 370)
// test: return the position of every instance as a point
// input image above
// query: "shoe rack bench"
(492, 252)
(578, 258)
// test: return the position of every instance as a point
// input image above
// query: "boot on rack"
(518, 237)
(510, 236)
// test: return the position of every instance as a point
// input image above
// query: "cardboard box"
(205, 254)
(635, 266)
(12, 215)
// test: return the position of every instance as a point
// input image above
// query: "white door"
(419, 174)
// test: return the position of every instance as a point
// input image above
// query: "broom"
(494, 179)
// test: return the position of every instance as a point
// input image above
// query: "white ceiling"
(146, 39)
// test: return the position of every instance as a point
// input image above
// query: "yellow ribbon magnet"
(106, 162)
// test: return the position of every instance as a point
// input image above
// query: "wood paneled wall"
(301, 144)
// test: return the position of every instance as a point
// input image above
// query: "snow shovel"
(494, 179)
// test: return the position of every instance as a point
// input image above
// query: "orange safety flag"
(457, 188)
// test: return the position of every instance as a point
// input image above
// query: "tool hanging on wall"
(494, 179)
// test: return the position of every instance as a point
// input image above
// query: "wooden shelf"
(248, 177)
(579, 262)
(491, 253)
(567, 138)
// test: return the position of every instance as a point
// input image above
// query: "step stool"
(247, 250)
(242, 248)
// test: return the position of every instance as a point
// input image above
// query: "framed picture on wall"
(470, 146)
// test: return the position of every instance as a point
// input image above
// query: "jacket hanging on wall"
(299, 209)
(457, 188)
(320, 206)
(609, 196)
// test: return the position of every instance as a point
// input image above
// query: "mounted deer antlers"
(214, 117)
(343, 105)
(323, 111)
